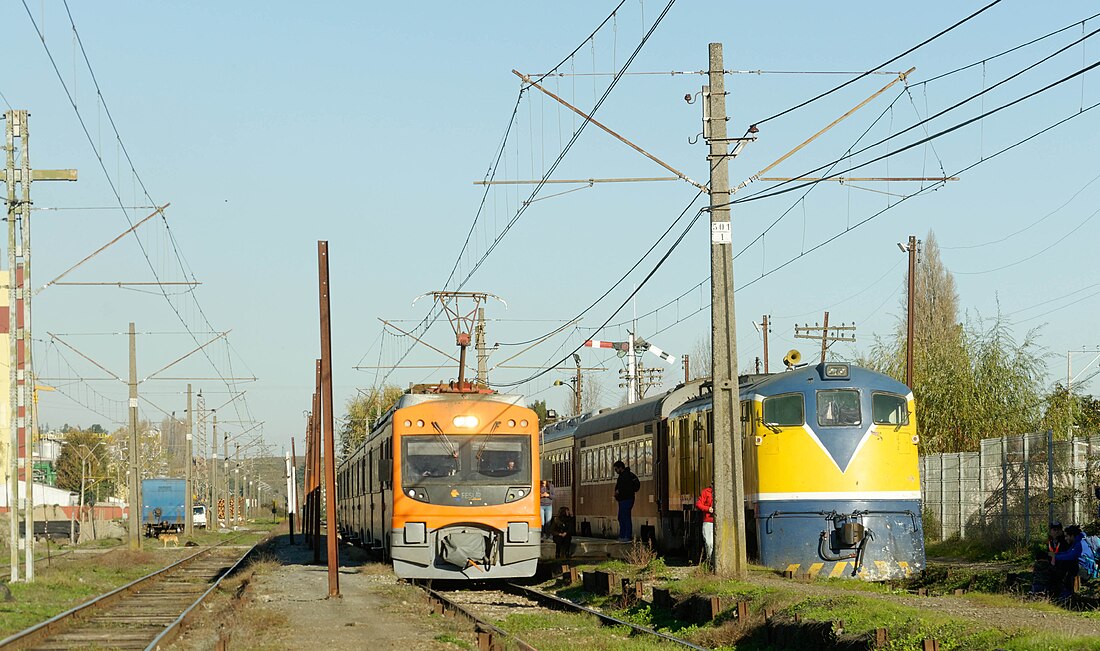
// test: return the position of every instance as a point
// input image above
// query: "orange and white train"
(444, 485)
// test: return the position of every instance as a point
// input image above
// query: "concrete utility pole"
(292, 494)
(212, 516)
(911, 249)
(729, 488)
(225, 463)
(189, 505)
(325, 296)
(631, 371)
(22, 416)
(135, 474)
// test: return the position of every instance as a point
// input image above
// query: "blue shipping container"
(163, 502)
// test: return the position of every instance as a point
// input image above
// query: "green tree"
(85, 456)
(1077, 417)
(971, 380)
(539, 407)
(362, 412)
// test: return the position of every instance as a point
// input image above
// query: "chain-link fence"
(1011, 488)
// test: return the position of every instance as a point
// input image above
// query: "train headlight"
(915, 439)
(420, 423)
(511, 423)
(408, 423)
(465, 421)
(523, 423)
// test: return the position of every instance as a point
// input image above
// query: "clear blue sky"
(269, 126)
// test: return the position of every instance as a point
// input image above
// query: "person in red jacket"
(705, 503)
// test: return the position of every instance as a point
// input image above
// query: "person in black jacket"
(625, 487)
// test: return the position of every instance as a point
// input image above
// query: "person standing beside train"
(625, 487)
(705, 503)
(546, 505)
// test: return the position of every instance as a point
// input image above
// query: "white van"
(199, 517)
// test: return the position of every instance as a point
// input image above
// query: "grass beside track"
(859, 605)
(85, 576)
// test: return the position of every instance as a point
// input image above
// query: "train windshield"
(838, 408)
(477, 459)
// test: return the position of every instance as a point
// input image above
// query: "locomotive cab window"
(786, 410)
(889, 409)
(838, 408)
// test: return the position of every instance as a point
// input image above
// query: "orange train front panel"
(465, 468)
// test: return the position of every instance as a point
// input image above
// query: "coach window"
(838, 408)
(889, 409)
(785, 410)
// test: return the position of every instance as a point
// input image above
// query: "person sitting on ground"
(1066, 563)
(1043, 579)
(561, 531)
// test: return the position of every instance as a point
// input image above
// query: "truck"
(163, 505)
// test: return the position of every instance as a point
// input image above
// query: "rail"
(53, 626)
(553, 601)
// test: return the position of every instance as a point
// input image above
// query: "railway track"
(489, 606)
(143, 614)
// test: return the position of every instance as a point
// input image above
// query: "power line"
(764, 194)
(428, 320)
(1026, 228)
(884, 63)
(894, 205)
(110, 182)
(1034, 255)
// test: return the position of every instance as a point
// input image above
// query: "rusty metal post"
(315, 468)
(325, 297)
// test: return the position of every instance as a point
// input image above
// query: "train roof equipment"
(653, 408)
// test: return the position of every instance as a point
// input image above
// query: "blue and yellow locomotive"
(831, 479)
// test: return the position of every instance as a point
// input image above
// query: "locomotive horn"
(793, 357)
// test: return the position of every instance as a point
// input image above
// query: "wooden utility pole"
(22, 416)
(765, 329)
(482, 351)
(729, 489)
(825, 333)
(189, 505)
(325, 296)
(577, 402)
(911, 249)
(135, 449)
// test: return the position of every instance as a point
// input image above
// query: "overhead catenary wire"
(428, 320)
(114, 188)
(774, 192)
(881, 65)
(879, 213)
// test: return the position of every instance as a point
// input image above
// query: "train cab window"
(838, 408)
(889, 409)
(787, 410)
